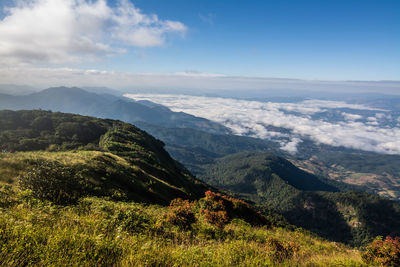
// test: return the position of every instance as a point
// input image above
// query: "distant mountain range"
(76, 100)
(12, 89)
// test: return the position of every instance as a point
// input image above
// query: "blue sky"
(331, 40)
(312, 40)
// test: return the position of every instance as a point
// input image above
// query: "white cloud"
(252, 117)
(198, 74)
(291, 146)
(59, 31)
(351, 117)
(335, 104)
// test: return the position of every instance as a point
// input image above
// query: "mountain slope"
(350, 169)
(118, 155)
(255, 173)
(304, 199)
(372, 172)
(195, 148)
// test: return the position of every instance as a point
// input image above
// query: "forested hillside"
(304, 199)
(352, 169)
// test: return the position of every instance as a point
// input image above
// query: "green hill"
(305, 200)
(115, 159)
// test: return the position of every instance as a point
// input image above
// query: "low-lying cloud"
(254, 118)
(63, 31)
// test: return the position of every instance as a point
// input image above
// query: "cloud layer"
(183, 82)
(62, 31)
(255, 118)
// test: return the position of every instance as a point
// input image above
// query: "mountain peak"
(63, 90)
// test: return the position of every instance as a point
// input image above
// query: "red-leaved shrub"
(180, 213)
(383, 252)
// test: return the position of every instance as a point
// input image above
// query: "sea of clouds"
(264, 120)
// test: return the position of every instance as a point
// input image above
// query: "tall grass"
(97, 232)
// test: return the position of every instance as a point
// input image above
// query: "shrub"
(180, 213)
(281, 251)
(219, 209)
(131, 220)
(54, 182)
(7, 196)
(383, 252)
(217, 218)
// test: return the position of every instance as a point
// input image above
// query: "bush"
(383, 252)
(7, 196)
(218, 218)
(180, 213)
(280, 251)
(131, 221)
(54, 182)
(219, 209)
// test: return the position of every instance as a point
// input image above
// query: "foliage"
(180, 213)
(214, 209)
(131, 220)
(219, 209)
(54, 182)
(38, 130)
(383, 252)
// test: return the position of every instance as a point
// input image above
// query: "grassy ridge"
(121, 156)
(100, 232)
(108, 175)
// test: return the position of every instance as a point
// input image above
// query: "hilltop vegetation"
(113, 158)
